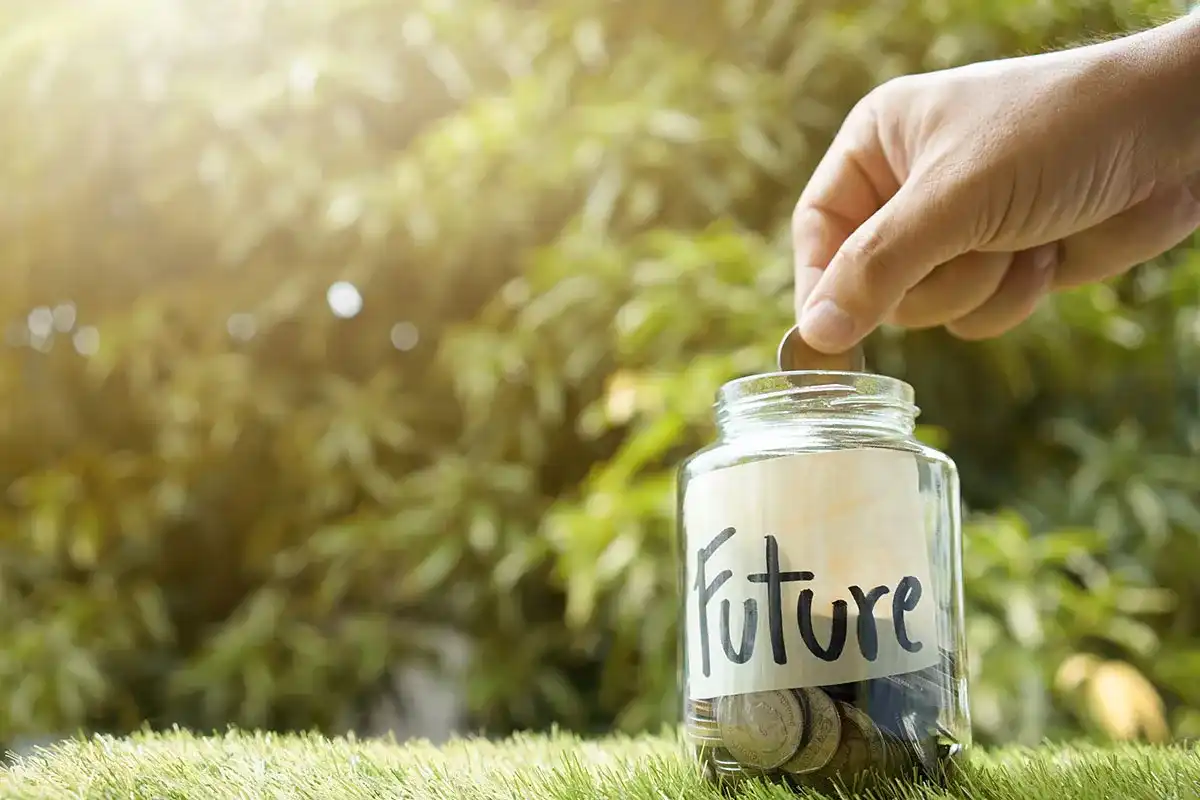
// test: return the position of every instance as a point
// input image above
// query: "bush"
(339, 324)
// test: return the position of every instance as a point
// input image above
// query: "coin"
(899, 761)
(702, 728)
(854, 755)
(871, 734)
(761, 729)
(726, 766)
(824, 725)
(796, 354)
(861, 748)
(700, 732)
(920, 745)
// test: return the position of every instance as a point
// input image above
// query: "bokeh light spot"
(242, 326)
(404, 336)
(41, 322)
(64, 317)
(344, 300)
(86, 340)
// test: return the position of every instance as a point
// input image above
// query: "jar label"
(807, 570)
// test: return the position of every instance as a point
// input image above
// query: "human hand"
(961, 197)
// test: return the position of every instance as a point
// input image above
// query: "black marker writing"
(837, 633)
(775, 580)
(868, 637)
(749, 631)
(740, 650)
(908, 594)
(706, 590)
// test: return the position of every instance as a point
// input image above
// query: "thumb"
(911, 234)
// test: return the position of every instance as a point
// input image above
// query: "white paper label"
(807, 570)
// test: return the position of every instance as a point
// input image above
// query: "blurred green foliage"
(568, 225)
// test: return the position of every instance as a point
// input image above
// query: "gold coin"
(761, 729)
(824, 725)
(795, 354)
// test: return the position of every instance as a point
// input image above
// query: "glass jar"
(822, 640)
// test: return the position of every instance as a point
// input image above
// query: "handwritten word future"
(905, 597)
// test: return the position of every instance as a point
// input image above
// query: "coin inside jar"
(700, 723)
(920, 749)
(871, 734)
(861, 747)
(795, 354)
(761, 729)
(823, 735)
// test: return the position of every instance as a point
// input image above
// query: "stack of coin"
(862, 751)
(701, 726)
(814, 737)
(823, 733)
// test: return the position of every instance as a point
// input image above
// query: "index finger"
(851, 182)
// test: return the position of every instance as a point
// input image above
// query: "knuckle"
(893, 90)
(802, 215)
(866, 252)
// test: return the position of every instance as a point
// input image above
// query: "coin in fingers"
(795, 354)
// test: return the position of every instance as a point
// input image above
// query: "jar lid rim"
(862, 384)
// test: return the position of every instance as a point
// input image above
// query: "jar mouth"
(819, 389)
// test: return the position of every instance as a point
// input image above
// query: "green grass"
(243, 765)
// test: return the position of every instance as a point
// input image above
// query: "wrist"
(1157, 73)
(1183, 78)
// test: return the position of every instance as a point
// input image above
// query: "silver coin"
(824, 728)
(761, 729)
(795, 354)
(861, 748)
(698, 719)
(703, 731)
(701, 734)
(920, 745)
(725, 765)
(899, 761)
(871, 734)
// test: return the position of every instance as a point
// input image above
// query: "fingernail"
(826, 326)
